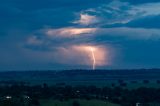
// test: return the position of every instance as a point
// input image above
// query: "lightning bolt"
(94, 59)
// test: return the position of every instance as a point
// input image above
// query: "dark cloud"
(33, 15)
(30, 5)
(146, 54)
(140, 1)
(145, 22)
(130, 27)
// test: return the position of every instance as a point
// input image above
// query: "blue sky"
(77, 34)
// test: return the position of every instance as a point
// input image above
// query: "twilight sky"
(79, 34)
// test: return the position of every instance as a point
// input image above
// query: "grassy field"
(81, 102)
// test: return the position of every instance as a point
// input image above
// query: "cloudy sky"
(79, 34)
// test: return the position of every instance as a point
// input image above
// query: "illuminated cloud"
(97, 33)
(93, 33)
(110, 13)
(117, 12)
(33, 40)
(86, 19)
(82, 55)
(69, 32)
(49, 39)
(99, 52)
(75, 56)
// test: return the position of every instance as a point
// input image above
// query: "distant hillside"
(82, 74)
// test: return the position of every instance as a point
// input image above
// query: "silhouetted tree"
(158, 81)
(76, 103)
(35, 102)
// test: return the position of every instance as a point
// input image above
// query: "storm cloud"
(47, 34)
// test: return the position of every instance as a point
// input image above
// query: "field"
(81, 102)
(86, 87)
(99, 78)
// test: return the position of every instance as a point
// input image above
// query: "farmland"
(100, 78)
(80, 87)
(81, 103)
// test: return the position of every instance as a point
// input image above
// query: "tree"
(35, 102)
(76, 103)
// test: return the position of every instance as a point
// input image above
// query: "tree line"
(120, 95)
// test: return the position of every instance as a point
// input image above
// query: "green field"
(81, 102)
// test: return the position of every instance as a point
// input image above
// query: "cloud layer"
(60, 34)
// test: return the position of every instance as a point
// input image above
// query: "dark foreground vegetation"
(24, 95)
(81, 88)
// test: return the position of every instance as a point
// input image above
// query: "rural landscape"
(79, 52)
(81, 88)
